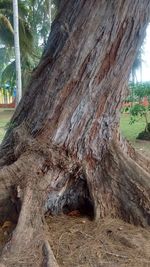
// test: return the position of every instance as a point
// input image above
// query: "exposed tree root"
(27, 245)
(49, 259)
(8, 198)
(133, 188)
(128, 149)
(57, 183)
(81, 87)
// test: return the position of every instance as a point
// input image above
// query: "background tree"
(62, 150)
(17, 51)
(141, 107)
(7, 40)
(40, 16)
(137, 112)
(34, 23)
(137, 66)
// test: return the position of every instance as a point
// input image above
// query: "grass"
(131, 132)
(5, 116)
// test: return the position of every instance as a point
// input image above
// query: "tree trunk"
(63, 150)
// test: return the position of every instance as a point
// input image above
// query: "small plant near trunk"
(138, 112)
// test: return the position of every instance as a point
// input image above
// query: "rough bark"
(62, 150)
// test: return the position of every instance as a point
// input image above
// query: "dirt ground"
(79, 242)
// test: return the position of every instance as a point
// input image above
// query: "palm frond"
(8, 73)
(7, 37)
(7, 6)
(26, 37)
(6, 23)
(6, 31)
(2, 54)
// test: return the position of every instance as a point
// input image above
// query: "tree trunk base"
(115, 186)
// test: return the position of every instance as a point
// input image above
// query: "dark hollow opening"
(9, 214)
(77, 198)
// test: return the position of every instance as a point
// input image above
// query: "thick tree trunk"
(62, 150)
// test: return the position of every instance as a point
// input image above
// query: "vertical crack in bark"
(110, 57)
(79, 167)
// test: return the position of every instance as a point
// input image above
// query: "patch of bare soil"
(78, 242)
(142, 147)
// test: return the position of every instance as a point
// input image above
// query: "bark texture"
(62, 150)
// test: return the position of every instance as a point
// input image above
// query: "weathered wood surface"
(62, 146)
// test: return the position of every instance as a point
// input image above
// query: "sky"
(146, 58)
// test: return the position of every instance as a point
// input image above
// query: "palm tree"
(35, 18)
(17, 52)
(7, 39)
(6, 28)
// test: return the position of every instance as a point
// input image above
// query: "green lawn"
(131, 132)
(5, 116)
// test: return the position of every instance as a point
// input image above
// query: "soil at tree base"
(79, 242)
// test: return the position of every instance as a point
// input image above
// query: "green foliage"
(137, 112)
(7, 62)
(6, 26)
(137, 92)
(5, 116)
(131, 98)
(40, 16)
(140, 89)
(9, 73)
(138, 109)
(131, 131)
(34, 25)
